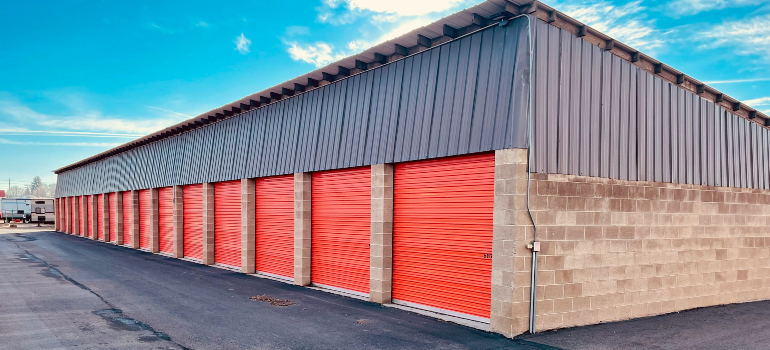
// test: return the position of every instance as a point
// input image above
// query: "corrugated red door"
(192, 196)
(127, 217)
(71, 212)
(442, 233)
(113, 215)
(100, 217)
(90, 205)
(79, 200)
(227, 223)
(341, 222)
(275, 225)
(144, 219)
(166, 219)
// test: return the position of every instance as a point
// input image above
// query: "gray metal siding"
(466, 96)
(598, 115)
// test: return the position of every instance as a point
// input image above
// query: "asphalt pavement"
(59, 292)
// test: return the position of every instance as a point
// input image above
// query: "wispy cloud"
(692, 7)
(627, 23)
(83, 119)
(60, 133)
(397, 7)
(318, 54)
(297, 30)
(168, 111)
(242, 44)
(202, 24)
(736, 81)
(749, 36)
(65, 144)
(762, 101)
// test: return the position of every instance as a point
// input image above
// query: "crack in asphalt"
(114, 316)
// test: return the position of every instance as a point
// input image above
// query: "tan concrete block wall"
(302, 228)
(381, 240)
(154, 220)
(208, 223)
(178, 244)
(248, 225)
(119, 219)
(135, 222)
(614, 249)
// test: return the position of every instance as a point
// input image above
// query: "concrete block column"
(381, 241)
(56, 211)
(178, 222)
(510, 220)
(75, 216)
(135, 219)
(248, 225)
(302, 228)
(119, 218)
(84, 216)
(208, 223)
(105, 214)
(93, 220)
(154, 220)
(68, 215)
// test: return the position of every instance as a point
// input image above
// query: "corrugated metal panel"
(192, 196)
(442, 233)
(227, 223)
(166, 219)
(275, 225)
(468, 95)
(630, 124)
(341, 224)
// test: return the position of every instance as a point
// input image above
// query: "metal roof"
(443, 30)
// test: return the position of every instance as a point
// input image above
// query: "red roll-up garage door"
(227, 223)
(100, 217)
(81, 222)
(442, 234)
(113, 215)
(127, 232)
(166, 220)
(71, 213)
(192, 196)
(275, 225)
(341, 222)
(144, 219)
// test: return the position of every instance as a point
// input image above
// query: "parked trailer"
(16, 209)
(42, 210)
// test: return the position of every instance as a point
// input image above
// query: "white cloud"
(66, 144)
(202, 24)
(168, 111)
(692, 7)
(397, 7)
(749, 36)
(297, 30)
(83, 119)
(736, 81)
(242, 44)
(626, 23)
(63, 133)
(318, 54)
(762, 101)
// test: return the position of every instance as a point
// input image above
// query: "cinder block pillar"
(381, 241)
(248, 225)
(302, 228)
(178, 222)
(84, 217)
(75, 216)
(208, 223)
(154, 220)
(105, 214)
(510, 219)
(135, 219)
(56, 214)
(93, 220)
(119, 218)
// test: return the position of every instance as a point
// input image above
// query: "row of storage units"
(441, 242)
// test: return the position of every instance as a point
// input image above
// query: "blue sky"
(80, 77)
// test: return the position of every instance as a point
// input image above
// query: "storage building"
(428, 171)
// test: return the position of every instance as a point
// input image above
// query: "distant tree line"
(36, 189)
